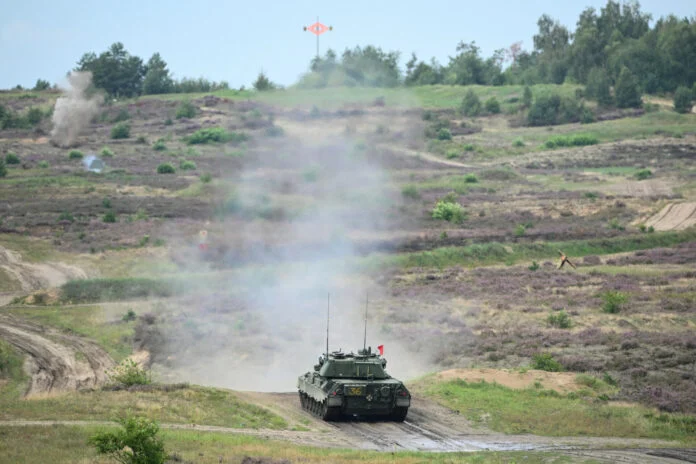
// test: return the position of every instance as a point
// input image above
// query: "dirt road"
(34, 276)
(674, 216)
(56, 361)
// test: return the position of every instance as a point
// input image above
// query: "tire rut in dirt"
(52, 357)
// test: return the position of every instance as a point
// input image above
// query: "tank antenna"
(328, 304)
(365, 335)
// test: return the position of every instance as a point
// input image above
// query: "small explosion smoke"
(93, 164)
(74, 109)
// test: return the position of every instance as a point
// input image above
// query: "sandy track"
(52, 357)
(33, 276)
(674, 216)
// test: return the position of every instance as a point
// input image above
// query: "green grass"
(114, 335)
(32, 250)
(432, 96)
(546, 412)
(68, 444)
(188, 405)
(497, 253)
(91, 290)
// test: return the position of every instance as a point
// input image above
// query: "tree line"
(616, 40)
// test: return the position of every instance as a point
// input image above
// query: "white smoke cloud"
(74, 109)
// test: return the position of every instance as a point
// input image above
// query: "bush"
(11, 158)
(109, 216)
(129, 316)
(66, 216)
(534, 267)
(444, 134)
(682, 100)
(263, 83)
(492, 105)
(518, 143)
(159, 145)
(560, 320)
(43, 164)
(106, 202)
(527, 97)
(186, 109)
(599, 87)
(141, 140)
(120, 131)
(469, 147)
(165, 168)
(627, 90)
(136, 443)
(450, 212)
(520, 230)
(215, 135)
(274, 131)
(128, 373)
(575, 140)
(34, 116)
(106, 152)
(93, 290)
(613, 301)
(544, 110)
(41, 85)
(3, 168)
(643, 174)
(187, 165)
(471, 104)
(546, 362)
(75, 154)
(470, 178)
(123, 115)
(410, 191)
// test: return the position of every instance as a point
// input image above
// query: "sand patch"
(562, 382)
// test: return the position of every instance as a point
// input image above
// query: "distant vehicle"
(344, 384)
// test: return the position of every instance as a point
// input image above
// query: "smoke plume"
(74, 109)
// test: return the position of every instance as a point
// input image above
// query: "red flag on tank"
(381, 350)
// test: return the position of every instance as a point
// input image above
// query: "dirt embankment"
(674, 216)
(33, 276)
(56, 361)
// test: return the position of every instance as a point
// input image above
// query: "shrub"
(444, 134)
(682, 100)
(106, 152)
(109, 216)
(128, 373)
(41, 84)
(643, 174)
(527, 97)
(627, 90)
(66, 216)
(263, 83)
(450, 212)
(106, 202)
(598, 87)
(120, 131)
(159, 145)
(534, 267)
(34, 116)
(469, 147)
(75, 154)
(575, 140)
(123, 115)
(129, 316)
(590, 195)
(186, 109)
(470, 178)
(518, 143)
(43, 164)
(11, 158)
(544, 110)
(215, 135)
(168, 122)
(520, 230)
(471, 104)
(141, 140)
(451, 154)
(135, 443)
(206, 178)
(274, 131)
(187, 165)
(546, 362)
(165, 168)
(3, 168)
(492, 105)
(613, 301)
(410, 191)
(560, 320)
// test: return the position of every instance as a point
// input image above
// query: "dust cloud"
(74, 109)
(299, 213)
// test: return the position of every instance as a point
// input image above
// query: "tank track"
(319, 409)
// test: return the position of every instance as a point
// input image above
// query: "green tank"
(346, 384)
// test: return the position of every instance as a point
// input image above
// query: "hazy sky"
(233, 41)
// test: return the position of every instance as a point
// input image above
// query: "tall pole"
(317, 41)
(328, 304)
(365, 336)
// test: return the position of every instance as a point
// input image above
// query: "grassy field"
(546, 412)
(67, 444)
(185, 405)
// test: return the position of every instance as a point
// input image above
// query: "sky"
(234, 41)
